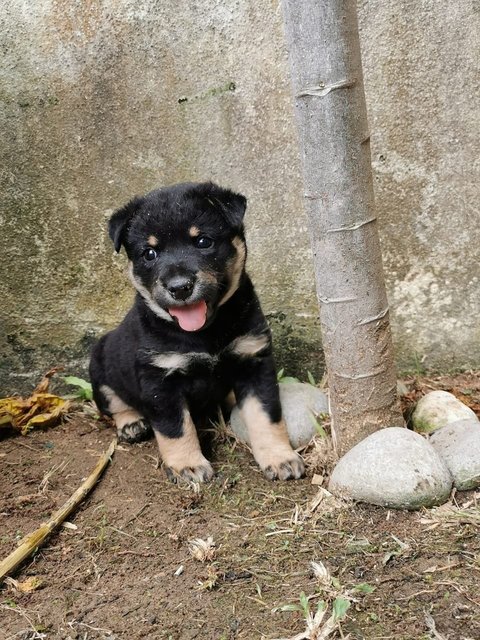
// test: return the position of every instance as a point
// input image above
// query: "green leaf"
(304, 603)
(340, 608)
(364, 587)
(280, 374)
(10, 603)
(288, 607)
(77, 382)
(318, 427)
(321, 606)
(311, 379)
(336, 583)
(84, 388)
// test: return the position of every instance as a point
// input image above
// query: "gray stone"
(459, 445)
(437, 409)
(300, 404)
(393, 467)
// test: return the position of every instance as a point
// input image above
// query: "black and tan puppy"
(195, 333)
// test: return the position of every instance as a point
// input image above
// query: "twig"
(432, 627)
(33, 634)
(33, 540)
(138, 513)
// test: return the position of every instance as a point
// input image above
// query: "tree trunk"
(324, 52)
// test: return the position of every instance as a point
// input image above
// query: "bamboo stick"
(33, 540)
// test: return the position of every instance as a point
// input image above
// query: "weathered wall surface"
(99, 101)
(421, 73)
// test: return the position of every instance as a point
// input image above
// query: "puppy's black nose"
(180, 287)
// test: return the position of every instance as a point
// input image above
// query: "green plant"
(83, 388)
(318, 426)
(332, 596)
(282, 378)
(315, 627)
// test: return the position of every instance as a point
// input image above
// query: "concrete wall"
(100, 101)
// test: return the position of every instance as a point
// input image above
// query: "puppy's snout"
(180, 287)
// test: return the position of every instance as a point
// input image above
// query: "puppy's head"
(186, 248)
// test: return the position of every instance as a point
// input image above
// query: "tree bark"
(324, 53)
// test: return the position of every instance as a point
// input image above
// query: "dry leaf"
(322, 574)
(28, 585)
(41, 409)
(202, 550)
(42, 386)
(211, 581)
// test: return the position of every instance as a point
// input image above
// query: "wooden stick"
(33, 540)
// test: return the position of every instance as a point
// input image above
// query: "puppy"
(195, 333)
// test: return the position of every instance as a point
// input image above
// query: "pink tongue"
(191, 317)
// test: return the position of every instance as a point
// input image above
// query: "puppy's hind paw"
(200, 473)
(134, 432)
(291, 468)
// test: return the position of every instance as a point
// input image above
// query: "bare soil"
(124, 569)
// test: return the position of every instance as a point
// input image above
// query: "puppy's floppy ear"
(120, 220)
(235, 207)
(232, 205)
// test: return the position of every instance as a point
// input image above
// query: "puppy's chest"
(187, 363)
(207, 360)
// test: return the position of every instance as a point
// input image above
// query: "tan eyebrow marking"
(152, 241)
(194, 231)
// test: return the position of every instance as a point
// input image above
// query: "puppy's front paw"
(200, 473)
(134, 432)
(283, 467)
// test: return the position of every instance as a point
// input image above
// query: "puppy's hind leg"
(131, 425)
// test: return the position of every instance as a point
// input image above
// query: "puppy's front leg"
(258, 399)
(180, 450)
(166, 409)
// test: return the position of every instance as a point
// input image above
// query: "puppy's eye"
(203, 242)
(149, 254)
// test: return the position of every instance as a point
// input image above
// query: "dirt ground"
(122, 566)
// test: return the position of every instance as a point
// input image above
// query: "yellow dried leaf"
(41, 409)
(46, 419)
(28, 585)
(12, 408)
(43, 385)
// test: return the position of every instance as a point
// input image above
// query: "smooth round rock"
(437, 409)
(393, 467)
(459, 445)
(301, 402)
